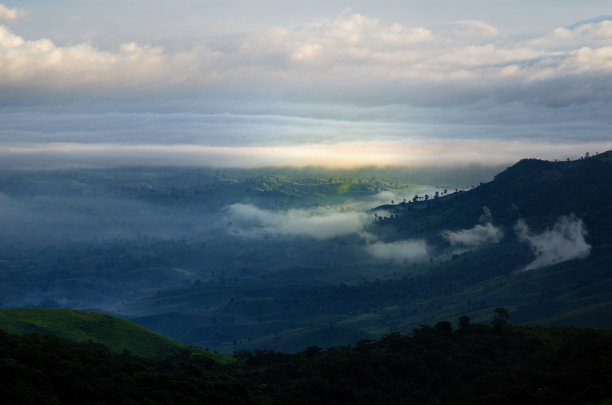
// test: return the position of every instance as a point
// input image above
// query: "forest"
(471, 364)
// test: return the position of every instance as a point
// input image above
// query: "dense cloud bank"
(564, 241)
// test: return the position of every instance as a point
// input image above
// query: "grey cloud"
(565, 241)
(244, 89)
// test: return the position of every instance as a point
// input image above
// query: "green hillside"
(115, 333)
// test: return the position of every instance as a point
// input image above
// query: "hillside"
(536, 191)
(115, 333)
(293, 307)
(160, 251)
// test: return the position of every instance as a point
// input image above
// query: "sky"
(333, 83)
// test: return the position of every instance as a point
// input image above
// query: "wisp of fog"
(565, 241)
(319, 223)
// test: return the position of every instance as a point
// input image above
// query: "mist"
(319, 223)
(400, 252)
(564, 241)
(473, 237)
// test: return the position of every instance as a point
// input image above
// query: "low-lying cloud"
(319, 223)
(399, 252)
(565, 241)
(477, 235)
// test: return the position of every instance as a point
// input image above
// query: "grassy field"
(115, 333)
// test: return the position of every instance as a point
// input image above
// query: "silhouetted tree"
(499, 317)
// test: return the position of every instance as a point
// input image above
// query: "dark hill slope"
(456, 281)
(475, 364)
(536, 191)
(575, 292)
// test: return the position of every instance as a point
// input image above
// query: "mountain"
(537, 191)
(540, 245)
(115, 333)
(155, 248)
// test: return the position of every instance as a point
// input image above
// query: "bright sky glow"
(335, 83)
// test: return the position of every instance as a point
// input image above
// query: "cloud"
(399, 252)
(321, 223)
(322, 60)
(425, 96)
(10, 14)
(565, 241)
(42, 65)
(472, 29)
(441, 153)
(596, 33)
(476, 236)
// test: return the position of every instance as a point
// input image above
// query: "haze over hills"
(533, 244)
(353, 198)
(534, 240)
(258, 273)
(231, 259)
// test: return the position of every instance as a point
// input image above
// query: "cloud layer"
(464, 60)
(342, 88)
(565, 241)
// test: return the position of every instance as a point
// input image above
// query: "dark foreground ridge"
(474, 364)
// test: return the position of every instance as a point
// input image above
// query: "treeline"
(473, 364)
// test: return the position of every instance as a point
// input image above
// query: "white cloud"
(399, 252)
(40, 64)
(565, 241)
(10, 14)
(592, 34)
(475, 236)
(321, 223)
(323, 60)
